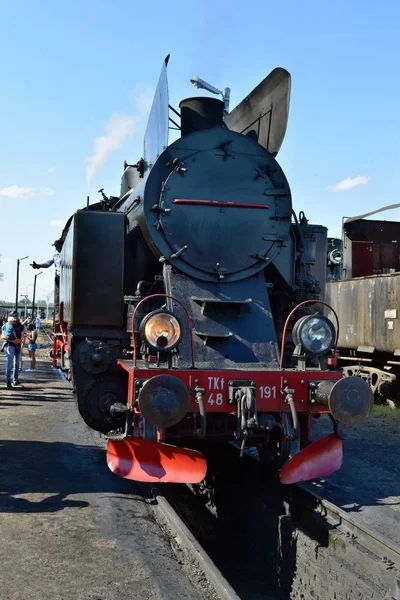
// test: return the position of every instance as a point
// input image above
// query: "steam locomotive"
(188, 303)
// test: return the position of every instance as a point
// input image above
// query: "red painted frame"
(60, 342)
(269, 385)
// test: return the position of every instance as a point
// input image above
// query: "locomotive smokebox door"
(217, 190)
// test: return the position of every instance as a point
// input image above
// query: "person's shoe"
(17, 384)
(8, 386)
(30, 370)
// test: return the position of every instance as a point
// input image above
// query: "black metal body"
(92, 285)
(207, 220)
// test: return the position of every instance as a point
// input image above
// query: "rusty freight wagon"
(367, 300)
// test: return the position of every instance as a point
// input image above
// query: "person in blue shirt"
(13, 335)
(8, 328)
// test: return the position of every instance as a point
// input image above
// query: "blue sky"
(77, 80)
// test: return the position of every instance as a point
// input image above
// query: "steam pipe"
(296, 425)
(201, 432)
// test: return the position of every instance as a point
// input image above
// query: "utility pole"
(17, 282)
(34, 293)
(26, 293)
(47, 295)
(26, 299)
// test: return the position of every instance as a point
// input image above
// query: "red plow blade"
(153, 462)
(319, 459)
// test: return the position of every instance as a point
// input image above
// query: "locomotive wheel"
(95, 403)
(95, 357)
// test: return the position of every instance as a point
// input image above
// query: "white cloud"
(118, 129)
(142, 97)
(51, 170)
(349, 183)
(57, 223)
(16, 191)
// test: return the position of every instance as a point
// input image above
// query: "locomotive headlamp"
(335, 257)
(315, 333)
(161, 330)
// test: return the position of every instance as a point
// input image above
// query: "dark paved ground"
(69, 528)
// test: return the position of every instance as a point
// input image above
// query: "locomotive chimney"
(200, 113)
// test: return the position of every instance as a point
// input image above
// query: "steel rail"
(44, 329)
(165, 513)
(379, 544)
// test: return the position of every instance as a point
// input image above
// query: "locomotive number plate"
(216, 391)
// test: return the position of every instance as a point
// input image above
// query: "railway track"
(362, 556)
(378, 552)
(371, 540)
(275, 542)
(48, 332)
(184, 541)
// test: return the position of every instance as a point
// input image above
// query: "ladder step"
(218, 302)
(213, 335)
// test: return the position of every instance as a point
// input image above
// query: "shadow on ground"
(56, 470)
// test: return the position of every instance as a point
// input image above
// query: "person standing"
(4, 344)
(13, 351)
(19, 328)
(38, 324)
(56, 261)
(32, 347)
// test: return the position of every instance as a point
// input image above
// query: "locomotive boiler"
(188, 303)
